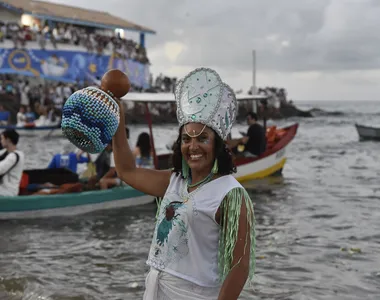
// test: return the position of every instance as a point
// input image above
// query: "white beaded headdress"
(202, 97)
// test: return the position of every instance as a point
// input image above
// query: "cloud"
(293, 39)
(173, 50)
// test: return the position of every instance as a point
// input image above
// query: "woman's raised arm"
(148, 181)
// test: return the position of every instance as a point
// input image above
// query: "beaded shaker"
(90, 116)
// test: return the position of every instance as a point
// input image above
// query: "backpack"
(2, 157)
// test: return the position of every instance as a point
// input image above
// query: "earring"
(185, 169)
(214, 169)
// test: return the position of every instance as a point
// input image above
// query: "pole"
(149, 120)
(254, 104)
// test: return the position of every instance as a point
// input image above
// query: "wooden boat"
(40, 206)
(34, 131)
(270, 163)
(368, 132)
(69, 199)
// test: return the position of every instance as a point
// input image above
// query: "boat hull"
(42, 206)
(36, 131)
(270, 163)
(268, 166)
(368, 133)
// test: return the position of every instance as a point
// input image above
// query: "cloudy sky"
(316, 49)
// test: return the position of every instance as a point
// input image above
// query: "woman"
(143, 152)
(204, 239)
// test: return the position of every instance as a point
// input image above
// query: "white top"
(186, 238)
(24, 96)
(21, 118)
(11, 180)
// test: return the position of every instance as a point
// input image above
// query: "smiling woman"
(203, 245)
(198, 150)
(202, 149)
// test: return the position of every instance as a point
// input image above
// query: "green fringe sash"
(230, 212)
(158, 202)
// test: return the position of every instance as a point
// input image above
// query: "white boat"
(367, 133)
(35, 131)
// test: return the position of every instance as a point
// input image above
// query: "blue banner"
(69, 66)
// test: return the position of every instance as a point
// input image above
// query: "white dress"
(184, 251)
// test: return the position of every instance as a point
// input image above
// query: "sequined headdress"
(202, 97)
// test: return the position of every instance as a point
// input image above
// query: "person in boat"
(11, 164)
(69, 159)
(143, 151)
(21, 118)
(43, 115)
(203, 245)
(30, 115)
(110, 178)
(5, 116)
(102, 166)
(254, 141)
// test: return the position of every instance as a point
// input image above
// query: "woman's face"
(197, 147)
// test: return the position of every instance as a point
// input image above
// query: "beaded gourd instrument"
(90, 116)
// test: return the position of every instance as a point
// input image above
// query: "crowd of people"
(43, 100)
(38, 102)
(162, 84)
(37, 98)
(93, 41)
(277, 97)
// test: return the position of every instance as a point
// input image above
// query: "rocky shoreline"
(286, 111)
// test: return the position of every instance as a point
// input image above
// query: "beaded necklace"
(203, 181)
(185, 195)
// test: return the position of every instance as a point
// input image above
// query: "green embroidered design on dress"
(229, 230)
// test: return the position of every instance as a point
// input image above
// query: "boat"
(272, 161)
(269, 163)
(368, 132)
(34, 131)
(69, 200)
(42, 206)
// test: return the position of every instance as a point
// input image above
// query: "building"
(51, 40)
